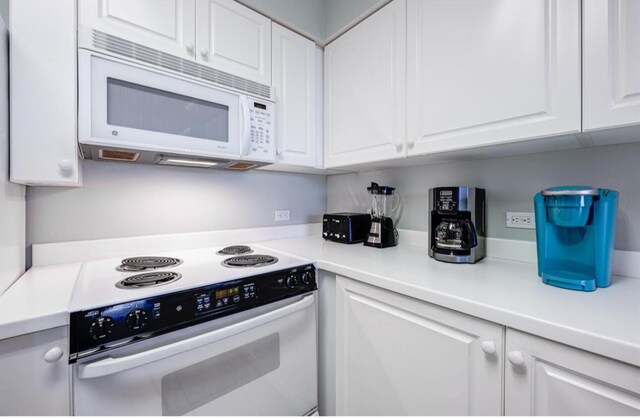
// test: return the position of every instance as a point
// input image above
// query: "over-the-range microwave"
(135, 113)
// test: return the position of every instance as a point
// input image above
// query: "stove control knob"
(306, 277)
(136, 319)
(101, 328)
(292, 281)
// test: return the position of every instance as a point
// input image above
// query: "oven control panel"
(101, 329)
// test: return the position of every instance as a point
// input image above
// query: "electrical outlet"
(283, 215)
(521, 220)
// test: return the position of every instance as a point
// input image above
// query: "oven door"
(259, 362)
(124, 105)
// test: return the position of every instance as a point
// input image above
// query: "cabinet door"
(400, 356)
(43, 99)
(164, 25)
(35, 374)
(233, 38)
(545, 378)
(611, 66)
(492, 71)
(365, 90)
(294, 83)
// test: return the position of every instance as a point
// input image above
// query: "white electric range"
(218, 331)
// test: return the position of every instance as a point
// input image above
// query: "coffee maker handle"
(469, 239)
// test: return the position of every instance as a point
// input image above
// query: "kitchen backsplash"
(125, 200)
(511, 183)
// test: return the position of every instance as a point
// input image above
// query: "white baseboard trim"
(81, 251)
(624, 263)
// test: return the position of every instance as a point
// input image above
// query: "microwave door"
(125, 105)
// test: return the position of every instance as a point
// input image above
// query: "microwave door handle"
(109, 366)
(245, 134)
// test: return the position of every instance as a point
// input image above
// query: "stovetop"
(103, 282)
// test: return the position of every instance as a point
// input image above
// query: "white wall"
(303, 15)
(339, 14)
(12, 197)
(125, 200)
(510, 182)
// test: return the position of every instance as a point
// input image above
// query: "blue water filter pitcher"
(575, 233)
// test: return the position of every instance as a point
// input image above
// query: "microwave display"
(260, 106)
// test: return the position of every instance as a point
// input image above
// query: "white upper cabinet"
(493, 71)
(294, 84)
(43, 98)
(233, 38)
(611, 63)
(397, 356)
(365, 86)
(221, 34)
(164, 25)
(544, 378)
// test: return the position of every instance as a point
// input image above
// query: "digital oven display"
(227, 292)
(446, 193)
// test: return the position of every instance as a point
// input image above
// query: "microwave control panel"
(262, 144)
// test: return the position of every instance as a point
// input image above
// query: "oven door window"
(135, 106)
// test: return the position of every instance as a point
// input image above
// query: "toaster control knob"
(101, 328)
(306, 277)
(136, 319)
(292, 281)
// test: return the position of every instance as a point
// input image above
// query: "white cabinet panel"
(546, 378)
(491, 71)
(31, 385)
(400, 356)
(43, 98)
(611, 63)
(164, 25)
(233, 38)
(365, 90)
(294, 83)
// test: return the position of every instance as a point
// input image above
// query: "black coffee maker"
(382, 233)
(457, 224)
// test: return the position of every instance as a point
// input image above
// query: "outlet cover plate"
(526, 220)
(283, 215)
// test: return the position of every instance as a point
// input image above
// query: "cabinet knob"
(516, 358)
(410, 145)
(488, 347)
(399, 147)
(54, 354)
(279, 152)
(204, 52)
(190, 47)
(66, 167)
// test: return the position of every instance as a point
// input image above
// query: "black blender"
(383, 233)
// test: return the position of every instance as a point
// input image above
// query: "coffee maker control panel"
(446, 200)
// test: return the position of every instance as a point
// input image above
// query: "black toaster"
(346, 227)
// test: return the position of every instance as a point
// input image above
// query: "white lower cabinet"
(35, 374)
(545, 378)
(399, 356)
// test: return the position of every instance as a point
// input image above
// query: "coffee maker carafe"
(457, 224)
(382, 233)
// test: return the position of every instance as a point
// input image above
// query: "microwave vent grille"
(118, 155)
(148, 55)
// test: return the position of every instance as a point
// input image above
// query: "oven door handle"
(108, 366)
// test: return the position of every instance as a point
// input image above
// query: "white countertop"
(509, 293)
(505, 292)
(38, 300)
